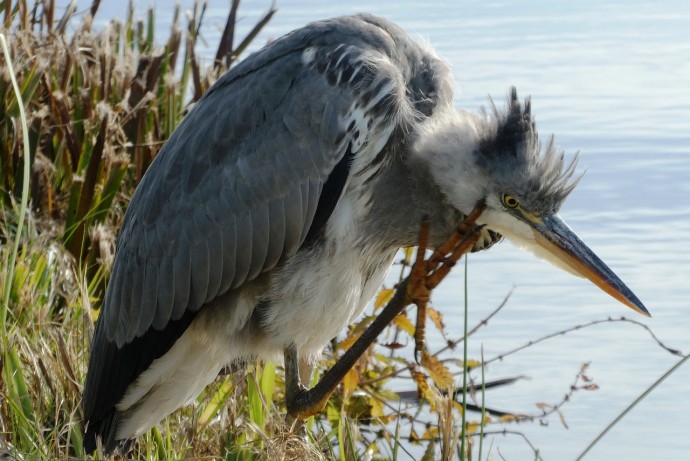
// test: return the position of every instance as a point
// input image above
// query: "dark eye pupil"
(510, 202)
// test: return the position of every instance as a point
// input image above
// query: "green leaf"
(268, 382)
(217, 401)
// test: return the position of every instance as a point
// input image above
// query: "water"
(611, 79)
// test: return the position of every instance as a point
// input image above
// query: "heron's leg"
(293, 384)
(431, 272)
(420, 294)
(419, 332)
(302, 403)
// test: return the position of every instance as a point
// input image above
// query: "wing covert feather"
(165, 290)
(149, 298)
(136, 297)
(200, 272)
(181, 268)
(215, 276)
(277, 233)
(243, 249)
(260, 235)
(229, 238)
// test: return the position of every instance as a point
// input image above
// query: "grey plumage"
(273, 212)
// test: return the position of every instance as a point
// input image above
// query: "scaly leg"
(435, 269)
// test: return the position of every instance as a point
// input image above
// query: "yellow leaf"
(429, 452)
(409, 254)
(401, 321)
(438, 371)
(385, 394)
(362, 325)
(437, 318)
(372, 448)
(472, 427)
(414, 438)
(458, 407)
(473, 364)
(420, 380)
(382, 298)
(350, 382)
(376, 408)
(348, 342)
(431, 433)
(509, 418)
(423, 389)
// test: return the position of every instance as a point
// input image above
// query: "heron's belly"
(313, 299)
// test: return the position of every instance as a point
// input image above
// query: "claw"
(419, 332)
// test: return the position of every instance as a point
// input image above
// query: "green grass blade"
(110, 190)
(268, 382)
(256, 407)
(219, 398)
(24, 198)
(465, 371)
(31, 81)
(20, 389)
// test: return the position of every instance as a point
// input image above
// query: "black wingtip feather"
(330, 194)
(112, 369)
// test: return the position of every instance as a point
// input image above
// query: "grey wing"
(233, 191)
(236, 187)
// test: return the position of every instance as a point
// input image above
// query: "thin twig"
(580, 327)
(633, 404)
(452, 344)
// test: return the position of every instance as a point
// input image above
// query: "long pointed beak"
(556, 238)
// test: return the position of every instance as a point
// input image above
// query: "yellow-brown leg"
(431, 272)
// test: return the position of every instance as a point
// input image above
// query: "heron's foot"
(428, 274)
(295, 423)
(305, 403)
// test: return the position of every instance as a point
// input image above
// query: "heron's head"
(497, 157)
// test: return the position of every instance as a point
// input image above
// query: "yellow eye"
(510, 202)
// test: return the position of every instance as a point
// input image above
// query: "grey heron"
(272, 214)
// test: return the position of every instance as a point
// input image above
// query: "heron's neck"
(445, 146)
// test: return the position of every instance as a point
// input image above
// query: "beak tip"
(639, 308)
(553, 235)
(646, 313)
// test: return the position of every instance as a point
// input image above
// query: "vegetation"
(98, 106)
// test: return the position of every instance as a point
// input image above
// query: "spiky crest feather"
(511, 153)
